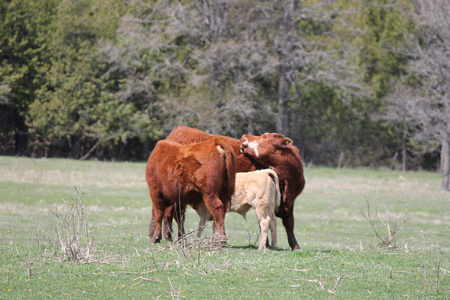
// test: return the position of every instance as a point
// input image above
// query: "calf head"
(267, 149)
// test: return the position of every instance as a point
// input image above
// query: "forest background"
(353, 83)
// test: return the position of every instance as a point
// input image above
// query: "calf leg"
(273, 228)
(264, 221)
(205, 215)
(264, 225)
(201, 226)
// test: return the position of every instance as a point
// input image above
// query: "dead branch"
(393, 229)
(338, 281)
(369, 218)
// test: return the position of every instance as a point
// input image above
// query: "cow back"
(187, 135)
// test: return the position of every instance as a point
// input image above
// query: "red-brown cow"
(178, 175)
(275, 151)
(187, 135)
(285, 159)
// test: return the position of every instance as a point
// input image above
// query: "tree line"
(353, 83)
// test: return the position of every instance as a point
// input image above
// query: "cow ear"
(285, 143)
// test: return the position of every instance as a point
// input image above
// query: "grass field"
(340, 259)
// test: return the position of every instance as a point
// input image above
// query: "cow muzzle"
(244, 144)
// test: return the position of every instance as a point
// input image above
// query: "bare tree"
(401, 105)
(187, 47)
(319, 54)
(429, 96)
(217, 54)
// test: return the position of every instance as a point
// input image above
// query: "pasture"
(341, 256)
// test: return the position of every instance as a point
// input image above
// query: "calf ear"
(284, 143)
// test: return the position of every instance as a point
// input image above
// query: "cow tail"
(276, 182)
(230, 162)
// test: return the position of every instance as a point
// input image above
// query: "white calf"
(260, 190)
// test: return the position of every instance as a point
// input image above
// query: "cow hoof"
(296, 248)
(155, 240)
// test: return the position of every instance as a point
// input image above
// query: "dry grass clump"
(213, 243)
(74, 237)
(394, 225)
(190, 243)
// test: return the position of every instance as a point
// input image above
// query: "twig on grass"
(427, 286)
(249, 238)
(146, 279)
(29, 264)
(369, 218)
(177, 293)
(437, 276)
(337, 282)
(154, 260)
(299, 270)
(13, 245)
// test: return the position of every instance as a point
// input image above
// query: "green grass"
(340, 256)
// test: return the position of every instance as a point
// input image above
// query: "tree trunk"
(282, 121)
(404, 147)
(445, 158)
(20, 135)
(284, 83)
(75, 147)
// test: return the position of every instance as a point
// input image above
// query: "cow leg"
(217, 209)
(151, 227)
(168, 217)
(167, 229)
(157, 215)
(180, 215)
(288, 222)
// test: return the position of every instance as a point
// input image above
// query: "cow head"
(266, 149)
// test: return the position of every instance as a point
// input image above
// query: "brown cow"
(187, 135)
(178, 175)
(275, 151)
(286, 161)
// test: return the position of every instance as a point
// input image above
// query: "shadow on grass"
(253, 247)
(304, 253)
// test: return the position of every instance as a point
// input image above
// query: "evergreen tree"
(24, 58)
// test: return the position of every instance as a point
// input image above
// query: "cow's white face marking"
(254, 146)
